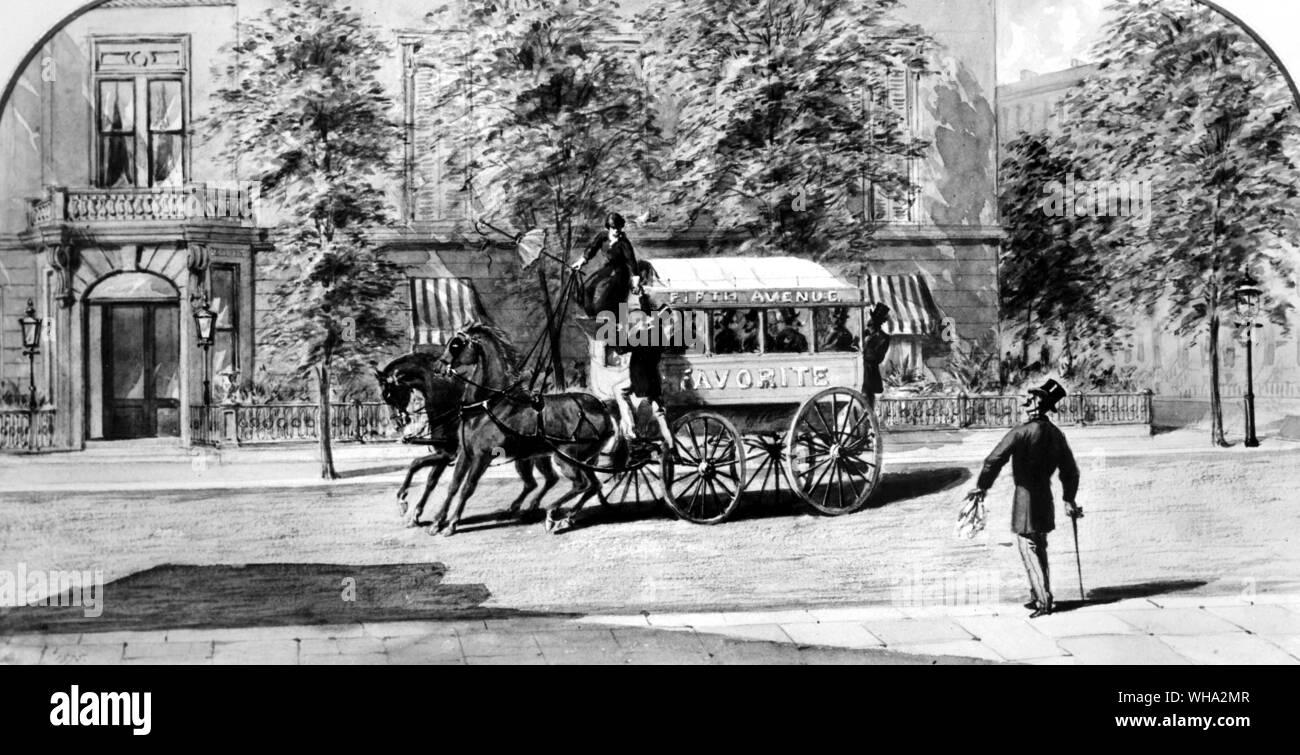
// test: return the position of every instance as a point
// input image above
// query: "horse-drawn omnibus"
(761, 375)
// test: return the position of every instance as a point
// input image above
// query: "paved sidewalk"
(1178, 630)
(160, 466)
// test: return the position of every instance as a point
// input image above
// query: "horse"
(424, 375)
(499, 417)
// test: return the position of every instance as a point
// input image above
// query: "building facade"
(118, 217)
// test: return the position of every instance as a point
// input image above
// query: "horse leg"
(439, 466)
(419, 463)
(525, 469)
(549, 478)
(461, 467)
(478, 465)
(590, 489)
(579, 487)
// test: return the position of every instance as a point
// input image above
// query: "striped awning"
(912, 311)
(440, 307)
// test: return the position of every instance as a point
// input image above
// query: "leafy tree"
(783, 117)
(1186, 98)
(304, 111)
(1054, 281)
(542, 114)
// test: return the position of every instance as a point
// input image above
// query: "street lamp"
(1248, 301)
(31, 329)
(204, 319)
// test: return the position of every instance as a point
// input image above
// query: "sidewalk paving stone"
(271, 652)
(386, 629)
(426, 649)
(741, 618)
(1012, 638)
(358, 659)
(1229, 649)
(341, 646)
(756, 632)
(637, 620)
(960, 648)
(62, 638)
(1198, 601)
(987, 609)
(642, 646)
(843, 635)
(857, 615)
(1177, 621)
(1289, 643)
(1127, 650)
(168, 650)
(1071, 624)
(918, 631)
(672, 620)
(487, 643)
(117, 638)
(102, 654)
(518, 659)
(21, 655)
(1265, 619)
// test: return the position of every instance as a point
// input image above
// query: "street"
(1153, 526)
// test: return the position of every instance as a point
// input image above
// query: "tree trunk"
(1216, 402)
(552, 327)
(327, 471)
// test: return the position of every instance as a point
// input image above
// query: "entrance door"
(140, 357)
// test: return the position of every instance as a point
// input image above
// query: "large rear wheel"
(833, 451)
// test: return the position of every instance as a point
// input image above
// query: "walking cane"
(1074, 520)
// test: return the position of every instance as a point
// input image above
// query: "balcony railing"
(190, 202)
(15, 429)
(956, 412)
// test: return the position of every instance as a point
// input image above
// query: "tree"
(1053, 279)
(303, 108)
(543, 116)
(785, 116)
(1185, 98)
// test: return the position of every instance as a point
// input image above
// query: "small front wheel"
(704, 473)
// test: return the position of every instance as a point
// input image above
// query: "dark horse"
(424, 376)
(500, 418)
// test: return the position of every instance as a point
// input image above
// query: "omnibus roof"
(748, 281)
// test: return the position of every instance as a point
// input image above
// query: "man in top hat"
(875, 346)
(1036, 449)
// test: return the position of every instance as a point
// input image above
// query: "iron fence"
(244, 424)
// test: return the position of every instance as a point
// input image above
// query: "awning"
(912, 311)
(440, 307)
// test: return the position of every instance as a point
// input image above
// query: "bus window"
(788, 330)
(836, 329)
(735, 331)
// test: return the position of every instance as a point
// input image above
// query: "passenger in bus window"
(727, 332)
(834, 325)
(749, 341)
(789, 337)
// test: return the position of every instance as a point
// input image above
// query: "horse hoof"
(412, 522)
(564, 525)
(549, 524)
(448, 531)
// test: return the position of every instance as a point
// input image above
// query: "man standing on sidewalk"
(1036, 450)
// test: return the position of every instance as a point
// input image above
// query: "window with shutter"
(428, 191)
(900, 99)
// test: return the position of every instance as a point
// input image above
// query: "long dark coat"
(874, 349)
(1036, 449)
(611, 285)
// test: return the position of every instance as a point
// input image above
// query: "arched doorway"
(133, 376)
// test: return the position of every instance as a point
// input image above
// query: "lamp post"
(31, 329)
(204, 319)
(1248, 299)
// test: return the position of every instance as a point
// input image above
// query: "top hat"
(880, 312)
(1051, 394)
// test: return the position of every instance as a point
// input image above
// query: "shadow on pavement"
(262, 595)
(1105, 595)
